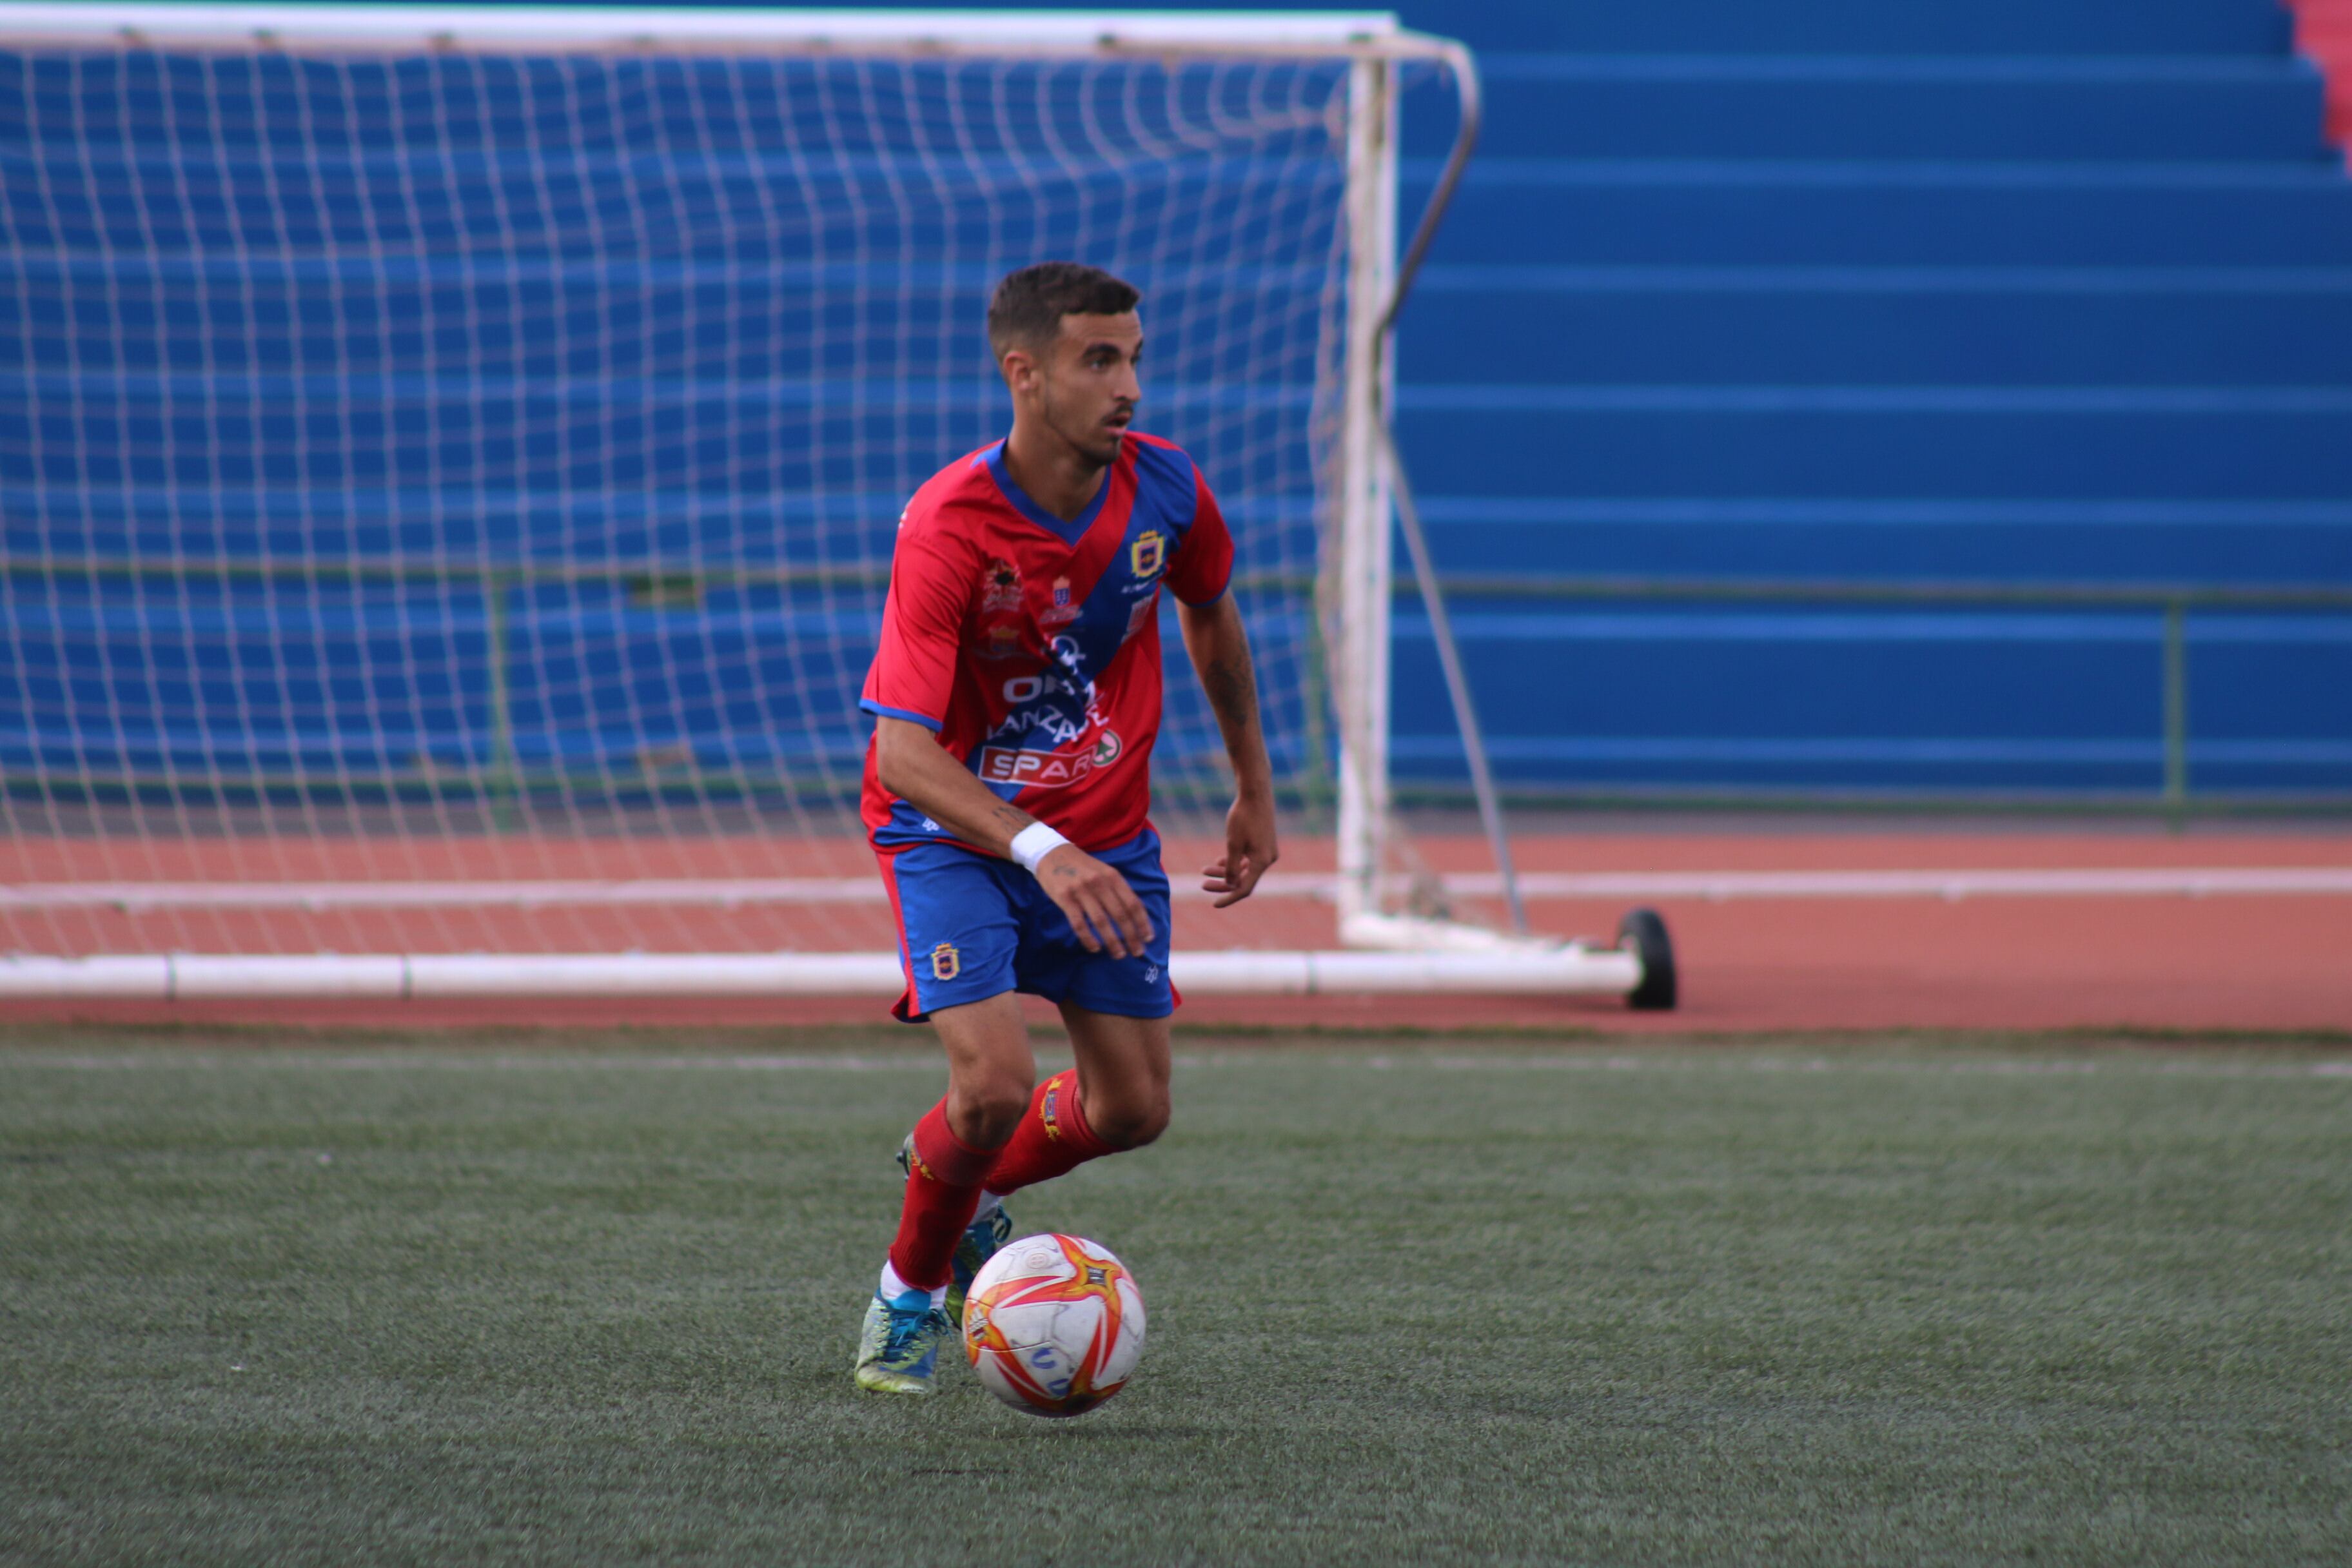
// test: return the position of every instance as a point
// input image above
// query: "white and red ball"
(1054, 1324)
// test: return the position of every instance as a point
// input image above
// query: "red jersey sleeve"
(1205, 561)
(914, 670)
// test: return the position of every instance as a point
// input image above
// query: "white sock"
(892, 1287)
(989, 1203)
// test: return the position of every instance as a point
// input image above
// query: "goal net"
(450, 458)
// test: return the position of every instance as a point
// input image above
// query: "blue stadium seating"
(2011, 292)
(2006, 291)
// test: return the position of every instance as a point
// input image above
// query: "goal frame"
(1370, 502)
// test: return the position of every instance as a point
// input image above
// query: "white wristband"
(1033, 843)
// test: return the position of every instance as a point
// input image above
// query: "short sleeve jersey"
(1032, 645)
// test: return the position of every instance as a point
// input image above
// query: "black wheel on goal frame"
(1644, 932)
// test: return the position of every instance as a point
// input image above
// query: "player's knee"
(1130, 1125)
(1000, 1109)
(986, 1114)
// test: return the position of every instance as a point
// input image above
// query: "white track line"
(2202, 881)
(2098, 882)
(729, 893)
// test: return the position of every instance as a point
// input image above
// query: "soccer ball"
(1054, 1324)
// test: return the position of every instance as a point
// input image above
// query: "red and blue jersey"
(1032, 645)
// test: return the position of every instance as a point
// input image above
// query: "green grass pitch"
(1427, 1303)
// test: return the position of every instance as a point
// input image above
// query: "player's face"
(1088, 386)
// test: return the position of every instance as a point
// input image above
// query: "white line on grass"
(385, 1061)
(1731, 1060)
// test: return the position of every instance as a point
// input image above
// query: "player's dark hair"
(1028, 306)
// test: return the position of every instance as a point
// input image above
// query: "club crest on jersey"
(1061, 609)
(1000, 586)
(1000, 640)
(946, 962)
(1149, 553)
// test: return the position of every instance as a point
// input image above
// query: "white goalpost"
(449, 457)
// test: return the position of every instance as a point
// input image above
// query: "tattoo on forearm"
(1232, 687)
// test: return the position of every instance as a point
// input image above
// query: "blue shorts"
(972, 927)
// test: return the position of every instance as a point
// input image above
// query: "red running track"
(2167, 962)
(2236, 961)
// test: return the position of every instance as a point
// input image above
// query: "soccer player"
(1016, 698)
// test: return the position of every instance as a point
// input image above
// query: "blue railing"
(468, 740)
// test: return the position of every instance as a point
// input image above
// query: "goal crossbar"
(508, 29)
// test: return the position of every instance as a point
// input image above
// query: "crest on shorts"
(1147, 552)
(946, 962)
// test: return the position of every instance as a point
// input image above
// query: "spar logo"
(1047, 770)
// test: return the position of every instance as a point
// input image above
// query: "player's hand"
(1249, 850)
(1102, 908)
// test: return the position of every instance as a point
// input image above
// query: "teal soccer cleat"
(979, 1243)
(899, 1349)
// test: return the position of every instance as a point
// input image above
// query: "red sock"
(1053, 1138)
(942, 1191)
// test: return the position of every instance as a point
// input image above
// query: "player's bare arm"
(1219, 646)
(1104, 912)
